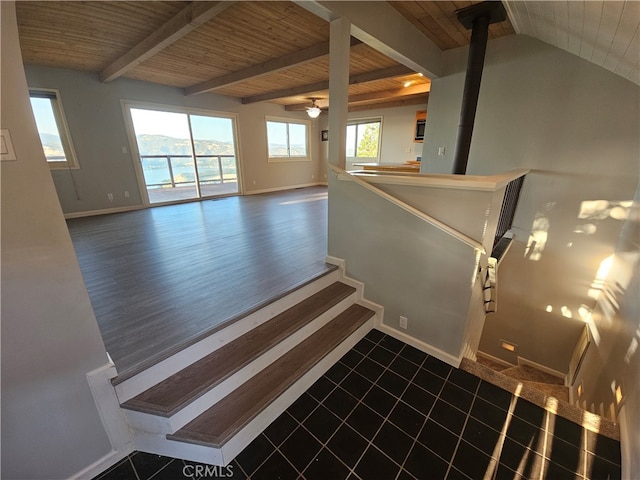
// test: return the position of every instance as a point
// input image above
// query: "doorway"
(184, 155)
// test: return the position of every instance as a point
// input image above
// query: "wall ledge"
(467, 182)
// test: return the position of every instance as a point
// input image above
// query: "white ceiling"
(603, 32)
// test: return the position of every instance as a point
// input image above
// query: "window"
(184, 154)
(363, 138)
(52, 128)
(287, 140)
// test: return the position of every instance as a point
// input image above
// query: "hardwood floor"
(159, 278)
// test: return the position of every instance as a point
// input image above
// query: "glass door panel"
(164, 144)
(213, 140)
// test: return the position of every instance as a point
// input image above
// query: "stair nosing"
(217, 441)
(344, 292)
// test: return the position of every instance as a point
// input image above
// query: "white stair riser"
(155, 424)
(158, 444)
(160, 371)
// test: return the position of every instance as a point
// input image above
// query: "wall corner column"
(339, 46)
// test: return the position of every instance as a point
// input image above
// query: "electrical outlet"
(110, 196)
(403, 322)
(126, 194)
(441, 151)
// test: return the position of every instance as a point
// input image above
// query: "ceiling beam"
(389, 72)
(420, 99)
(271, 66)
(396, 93)
(187, 20)
(382, 27)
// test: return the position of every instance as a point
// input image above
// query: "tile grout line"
(300, 424)
(369, 442)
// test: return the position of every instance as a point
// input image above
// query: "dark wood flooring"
(160, 278)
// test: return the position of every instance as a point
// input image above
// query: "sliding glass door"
(185, 156)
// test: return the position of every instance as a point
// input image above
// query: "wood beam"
(281, 63)
(187, 20)
(391, 94)
(324, 85)
(420, 99)
(396, 93)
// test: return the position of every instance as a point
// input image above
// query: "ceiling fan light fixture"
(313, 111)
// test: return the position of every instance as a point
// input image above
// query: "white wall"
(96, 122)
(576, 126)
(50, 339)
(410, 267)
(613, 358)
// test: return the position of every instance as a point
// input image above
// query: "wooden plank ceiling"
(272, 51)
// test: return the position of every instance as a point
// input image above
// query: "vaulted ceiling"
(277, 51)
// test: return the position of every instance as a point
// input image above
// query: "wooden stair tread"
(532, 374)
(221, 422)
(176, 391)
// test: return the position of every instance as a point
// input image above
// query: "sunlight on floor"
(311, 198)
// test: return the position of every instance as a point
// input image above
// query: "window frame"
(54, 95)
(289, 121)
(363, 121)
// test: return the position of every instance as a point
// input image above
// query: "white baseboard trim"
(104, 211)
(420, 345)
(108, 406)
(280, 189)
(99, 466)
(341, 264)
(539, 366)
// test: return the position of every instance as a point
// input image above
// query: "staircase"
(210, 400)
(540, 388)
(547, 383)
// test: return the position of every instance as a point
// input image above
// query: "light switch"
(441, 151)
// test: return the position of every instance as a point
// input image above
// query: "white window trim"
(306, 123)
(63, 130)
(362, 121)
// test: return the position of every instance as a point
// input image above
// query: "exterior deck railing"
(203, 179)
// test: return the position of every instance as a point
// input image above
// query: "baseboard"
(99, 466)
(420, 345)
(288, 187)
(359, 286)
(544, 368)
(104, 211)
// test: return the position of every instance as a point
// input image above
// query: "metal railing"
(508, 209)
(198, 175)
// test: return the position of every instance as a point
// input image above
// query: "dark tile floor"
(389, 411)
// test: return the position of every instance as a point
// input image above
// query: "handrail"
(414, 211)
